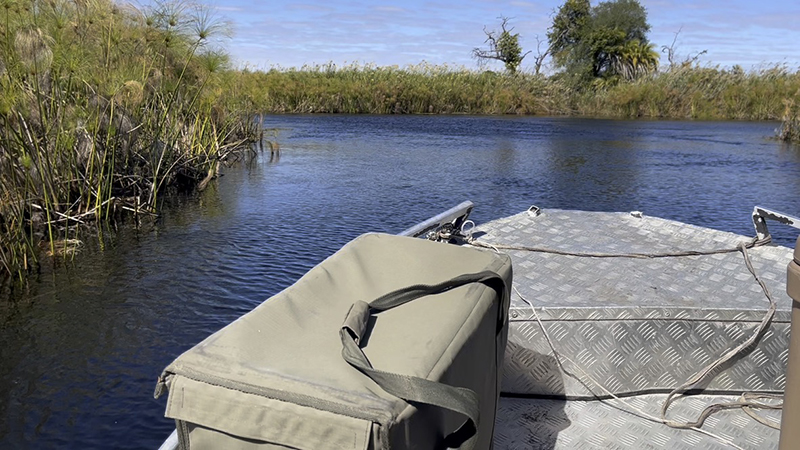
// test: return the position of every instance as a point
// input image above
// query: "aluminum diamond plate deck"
(640, 356)
(637, 325)
(539, 424)
(716, 282)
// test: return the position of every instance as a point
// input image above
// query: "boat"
(629, 331)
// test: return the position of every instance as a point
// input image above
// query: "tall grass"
(685, 92)
(698, 93)
(418, 89)
(790, 122)
(103, 108)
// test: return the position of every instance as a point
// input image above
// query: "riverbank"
(684, 92)
(105, 107)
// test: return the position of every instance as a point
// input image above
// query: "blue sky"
(387, 32)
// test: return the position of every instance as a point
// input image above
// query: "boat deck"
(542, 424)
(634, 328)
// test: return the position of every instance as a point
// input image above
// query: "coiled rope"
(748, 402)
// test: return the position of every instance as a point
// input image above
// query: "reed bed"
(104, 107)
(699, 93)
(683, 92)
(418, 89)
(790, 122)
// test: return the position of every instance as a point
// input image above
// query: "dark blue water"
(81, 347)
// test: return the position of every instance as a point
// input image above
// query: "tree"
(568, 30)
(634, 59)
(540, 56)
(608, 40)
(503, 47)
(671, 50)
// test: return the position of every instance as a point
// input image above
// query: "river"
(81, 347)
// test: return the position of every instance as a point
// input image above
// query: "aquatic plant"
(682, 92)
(417, 89)
(694, 92)
(103, 108)
(790, 122)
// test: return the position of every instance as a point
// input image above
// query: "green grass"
(688, 92)
(790, 122)
(699, 93)
(104, 107)
(420, 89)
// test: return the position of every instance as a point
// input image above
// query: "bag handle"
(415, 389)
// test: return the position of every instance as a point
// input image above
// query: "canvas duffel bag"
(392, 342)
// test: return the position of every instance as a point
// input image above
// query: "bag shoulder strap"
(410, 388)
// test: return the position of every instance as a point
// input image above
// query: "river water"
(81, 347)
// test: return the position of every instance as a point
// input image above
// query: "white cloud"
(389, 32)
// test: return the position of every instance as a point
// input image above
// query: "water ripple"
(80, 352)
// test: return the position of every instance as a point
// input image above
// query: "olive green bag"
(392, 342)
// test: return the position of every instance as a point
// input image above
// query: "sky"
(280, 33)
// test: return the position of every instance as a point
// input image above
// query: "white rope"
(625, 406)
(745, 402)
(707, 371)
(755, 242)
(747, 396)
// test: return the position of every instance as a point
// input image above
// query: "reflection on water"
(80, 349)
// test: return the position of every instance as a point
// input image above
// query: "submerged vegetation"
(103, 108)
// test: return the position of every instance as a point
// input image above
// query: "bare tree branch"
(502, 46)
(671, 52)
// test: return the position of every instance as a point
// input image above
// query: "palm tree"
(634, 59)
